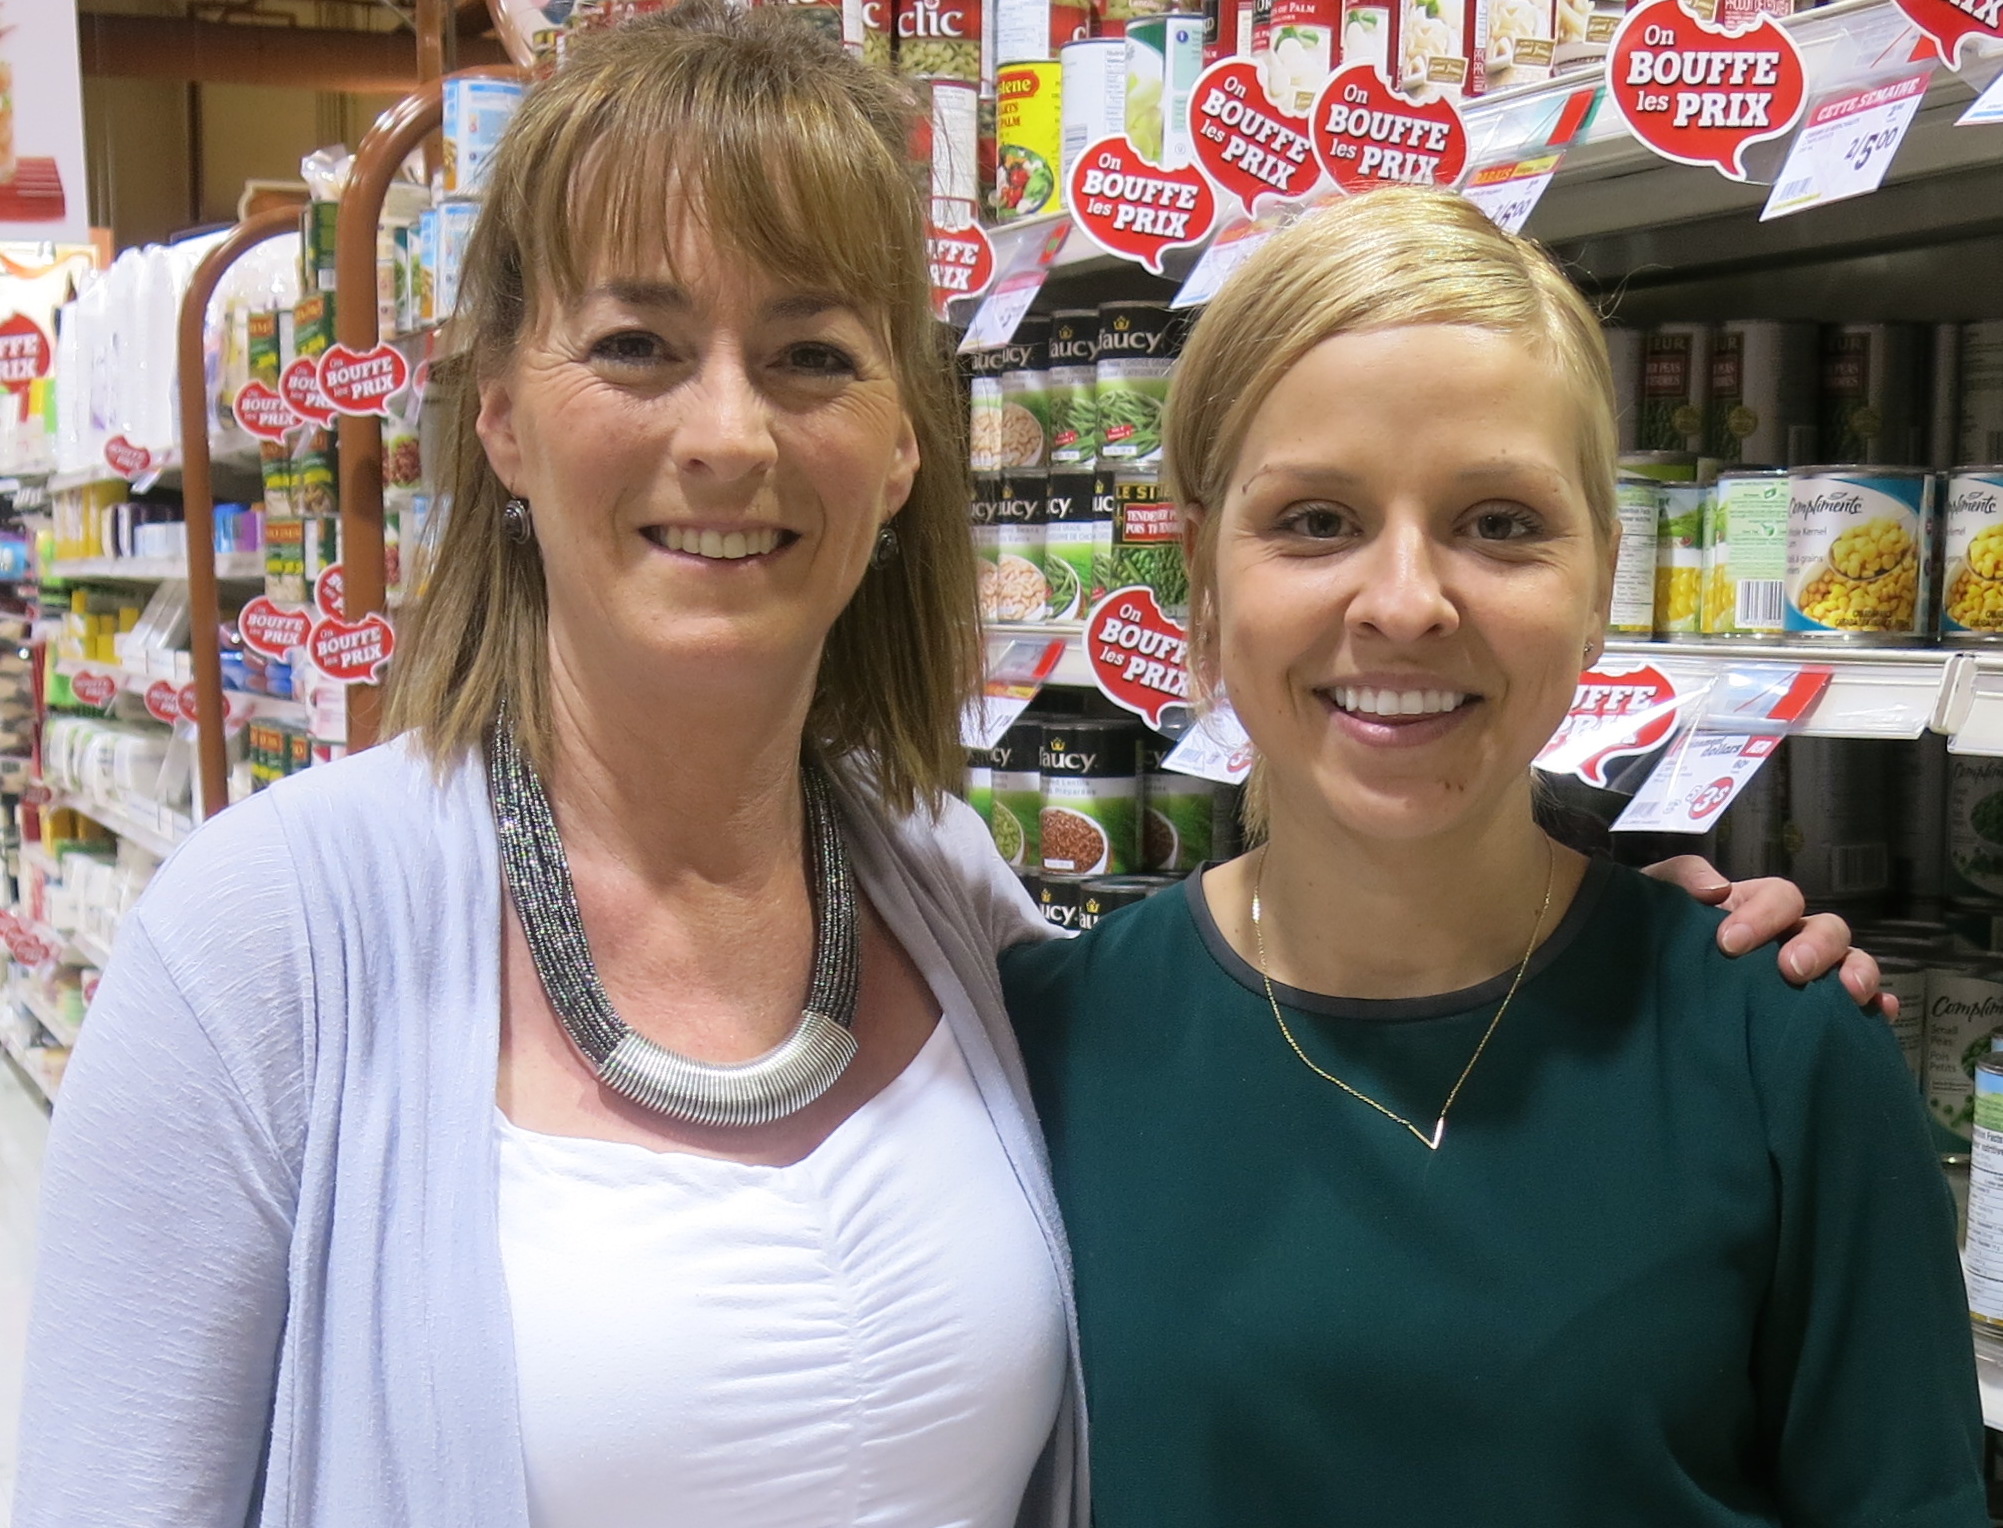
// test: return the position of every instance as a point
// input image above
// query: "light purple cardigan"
(270, 1195)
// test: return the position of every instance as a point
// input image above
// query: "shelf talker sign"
(1246, 145)
(351, 653)
(1620, 711)
(1367, 134)
(94, 690)
(1696, 94)
(1139, 655)
(1135, 211)
(126, 459)
(1950, 23)
(271, 629)
(362, 382)
(959, 252)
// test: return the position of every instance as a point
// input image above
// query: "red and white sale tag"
(25, 352)
(272, 629)
(1247, 145)
(1620, 711)
(1703, 770)
(1509, 192)
(1696, 94)
(961, 257)
(126, 459)
(1139, 655)
(1950, 23)
(362, 382)
(299, 385)
(262, 413)
(351, 654)
(95, 690)
(163, 701)
(1214, 748)
(1133, 210)
(330, 592)
(1847, 144)
(1022, 276)
(1367, 134)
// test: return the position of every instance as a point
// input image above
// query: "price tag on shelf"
(1745, 717)
(1509, 192)
(1847, 144)
(1015, 675)
(1988, 106)
(1015, 288)
(1232, 247)
(1214, 748)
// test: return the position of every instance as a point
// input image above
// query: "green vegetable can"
(1679, 559)
(1147, 542)
(1016, 779)
(1136, 352)
(1068, 538)
(1105, 509)
(1074, 410)
(1091, 796)
(1177, 812)
(1974, 826)
(987, 542)
(1025, 391)
(979, 790)
(1964, 1009)
(1029, 136)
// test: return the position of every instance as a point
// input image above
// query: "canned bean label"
(1164, 57)
(1855, 550)
(1018, 794)
(1972, 607)
(1147, 542)
(1177, 812)
(1982, 1256)
(1975, 827)
(1068, 540)
(1057, 897)
(1745, 590)
(1029, 132)
(1025, 391)
(1091, 797)
(987, 542)
(1136, 352)
(985, 407)
(939, 39)
(1074, 410)
(1022, 592)
(1638, 506)
(1964, 1008)
(1679, 558)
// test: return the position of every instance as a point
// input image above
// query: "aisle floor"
(24, 1129)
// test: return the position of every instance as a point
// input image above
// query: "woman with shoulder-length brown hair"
(595, 1108)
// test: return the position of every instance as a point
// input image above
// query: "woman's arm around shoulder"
(1864, 1363)
(980, 876)
(169, 1190)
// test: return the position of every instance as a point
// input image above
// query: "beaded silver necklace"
(785, 1079)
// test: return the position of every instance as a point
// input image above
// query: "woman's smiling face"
(1408, 576)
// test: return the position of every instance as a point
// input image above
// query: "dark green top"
(1685, 1257)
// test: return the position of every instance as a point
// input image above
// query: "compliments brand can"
(1857, 553)
(1974, 827)
(1745, 555)
(1679, 559)
(1638, 507)
(1964, 1008)
(1982, 1254)
(1905, 979)
(1091, 796)
(1029, 130)
(1972, 587)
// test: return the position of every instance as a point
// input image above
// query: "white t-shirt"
(871, 1336)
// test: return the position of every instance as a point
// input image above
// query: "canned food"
(1068, 538)
(1980, 433)
(1661, 466)
(1975, 827)
(1982, 1253)
(1025, 393)
(940, 39)
(1974, 925)
(1440, 48)
(1073, 405)
(1147, 542)
(1838, 821)
(1296, 43)
(1095, 94)
(1675, 387)
(1870, 385)
(1105, 512)
(1638, 507)
(1091, 796)
(1930, 931)
(984, 409)
(1136, 352)
(1521, 43)
(982, 510)
(1972, 585)
(953, 149)
(1369, 34)
(1745, 576)
(1164, 57)
(1027, 31)
(1905, 979)
(1943, 428)
(877, 33)
(1104, 895)
(1920, 792)
(1624, 355)
(1964, 1008)
(1111, 18)
(1753, 836)
(1021, 591)
(1018, 794)
(1029, 140)
(1177, 811)
(1058, 896)
(1679, 558)
(1856, 552)
(980, 783)
(1762, 387)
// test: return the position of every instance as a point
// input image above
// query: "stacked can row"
(1051, 544)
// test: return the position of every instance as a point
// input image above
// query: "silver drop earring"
(885, 551)
(515, 521)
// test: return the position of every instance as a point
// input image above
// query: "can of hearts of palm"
(1091, 796)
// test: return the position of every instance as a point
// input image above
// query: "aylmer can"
(1105, 894)
(1745, 555)
(1982, 1254)
(1971, 609)
(1091, 796)
(1857, 546)
(1964, 1008)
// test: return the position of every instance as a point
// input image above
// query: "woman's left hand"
(1770, 909)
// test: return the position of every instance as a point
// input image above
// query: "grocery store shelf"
(1072, 670)
(125, 822)
(243, 567)
(93, 949)
(133, 681)
(29, 1064)
(46, 1014)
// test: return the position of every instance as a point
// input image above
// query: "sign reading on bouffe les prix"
(1617, 712)
(1139, 656)
(1697, 94)
(1367, 134)
(1247, 146)
(271, 629)
(962, 259)
(1950, 23)
(262, 413)
(94, 689)
(362, 382)
(351, 654)
(1133, 210)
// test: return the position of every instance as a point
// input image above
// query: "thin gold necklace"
(1431, 1142)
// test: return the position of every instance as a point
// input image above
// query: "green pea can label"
(1091, 797)
(1074, 410)
(1147, 542)
(1972, 598)
(1856, 552)
(1069, 538)
(1017, 782)
(1974, 827)
(1178, 812)
(1964, 1009)
(1135, 354)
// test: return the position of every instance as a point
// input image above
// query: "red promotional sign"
(330, 593)
(299, 384)
(1139, 656)
(126, 459)
(351, 654)
(189, 704)
(1950, 23)
(29, 949)
(962, 260)
(271, 629)
(1613, 716)
(24, 352)
(364, 381)
(262, 413)
(163, 701)
(1245, 143)
(1697, 95)
(1367, 134)
(94, 690)
(1134, 211)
